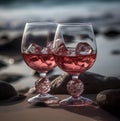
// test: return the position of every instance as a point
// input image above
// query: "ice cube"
(48, 48)
(45, 50)
(71, 51)
(50, 45)
(34, 48)
(83, 48)
(61, 49)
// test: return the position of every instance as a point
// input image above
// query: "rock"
(12, 49)
(51, 78)
(24, 91)
(4, 39)
(112, 33)
(58, 85)
(31, 91)
(8, 94)
(7, 91)
(93, 83)
(110, 100)
(74, 20)
(2, 64)
(115, 52)
(16, 43)
(96, 32)
(7, 77)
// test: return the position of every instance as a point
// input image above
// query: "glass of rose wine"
(37, 51)
(75, 52)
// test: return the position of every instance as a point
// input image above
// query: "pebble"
(112, 33)
(7, 91)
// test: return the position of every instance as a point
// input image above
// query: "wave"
(53, 2)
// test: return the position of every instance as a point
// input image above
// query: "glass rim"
(75, 24)
(40, 23)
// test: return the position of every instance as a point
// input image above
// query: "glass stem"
(43, 74)
(75, 87)
(75, 77)
(43, 84)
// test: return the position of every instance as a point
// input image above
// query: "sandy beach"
(24, 111)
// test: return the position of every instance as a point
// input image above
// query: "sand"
(23, 111)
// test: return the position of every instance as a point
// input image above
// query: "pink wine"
(40, 62)
(75, 64)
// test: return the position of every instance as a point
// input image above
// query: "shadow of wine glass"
(92, 111)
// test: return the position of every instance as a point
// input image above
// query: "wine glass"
(36, 48)
(75, 52)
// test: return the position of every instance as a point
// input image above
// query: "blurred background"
(103, 14)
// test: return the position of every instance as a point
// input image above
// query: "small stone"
(4, 39)
(112, 33)
(7, 77)
(109, 100)
(7, 91)
(115, 52)
(2, 64)
(96, 32)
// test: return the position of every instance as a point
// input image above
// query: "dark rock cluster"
(106, 89)
(93, 83)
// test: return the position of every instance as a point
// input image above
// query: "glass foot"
(46, 98)
(80, 101)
